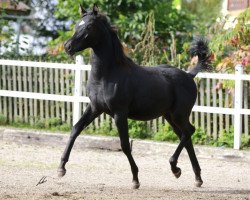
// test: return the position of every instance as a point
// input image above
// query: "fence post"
(77, 90)
(238, 106)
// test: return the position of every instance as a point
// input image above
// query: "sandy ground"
(100, 174)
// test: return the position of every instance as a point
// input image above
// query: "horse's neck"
(102, 59)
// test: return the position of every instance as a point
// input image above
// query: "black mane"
(120, 56)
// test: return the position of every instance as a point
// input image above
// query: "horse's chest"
(103, 96)
(96, 96)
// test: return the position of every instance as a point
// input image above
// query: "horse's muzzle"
(68, 48)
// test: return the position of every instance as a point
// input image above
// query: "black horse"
(122, 89)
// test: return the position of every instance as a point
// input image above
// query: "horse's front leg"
(122, 126)
(89, 115)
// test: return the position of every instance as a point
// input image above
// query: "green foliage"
(3, 120)
(53, 122)
(200, 137)
(64, 127)
(40, 124)
(104, 129)
(43, 24)
(6, 35)
(204, 12)
(226, 138)
(138, 129)
(245, 142)
(129, 17)
(18, 121)
(231, 42)
(165, 133)
(145, 51)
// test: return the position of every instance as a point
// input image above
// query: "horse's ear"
(95, 9)
(82, 10)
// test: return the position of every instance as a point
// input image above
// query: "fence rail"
(31, 90)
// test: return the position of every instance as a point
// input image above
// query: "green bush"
(104, 129)
(226, 138)
(65, 127)
(3, 120)
(40, 124)
(165, 133)
(138, 129)
(52, 122)
(18, 121)
(200, 137)
(245, 142)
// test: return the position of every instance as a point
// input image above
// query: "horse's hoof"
(178, 173)
(136, 185)
(198, 183)
(61, 172)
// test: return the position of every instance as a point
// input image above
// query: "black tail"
(199, 47)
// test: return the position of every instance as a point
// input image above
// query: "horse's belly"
(145, 116)
(148, 109)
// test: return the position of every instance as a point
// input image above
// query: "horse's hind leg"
(176, 170)
(185, 137)
(122, 126)
(88, 116)
(195, 164)
(190, 149)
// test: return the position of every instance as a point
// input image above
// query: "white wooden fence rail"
(77, 98)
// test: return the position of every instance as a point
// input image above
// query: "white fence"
(237, 111)
(77, 97)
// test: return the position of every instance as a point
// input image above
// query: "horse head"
(87, 31)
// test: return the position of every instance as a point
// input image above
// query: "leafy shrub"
(226, 138)
(65, 127)
(200, 137)
(18, 121)
(230, 44)
(165, 133)
(138, 129)
(52, 122)
(104, 129)
(41, 124)
(245, 142)
(3, 120)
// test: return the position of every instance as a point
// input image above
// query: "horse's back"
(156, 91)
